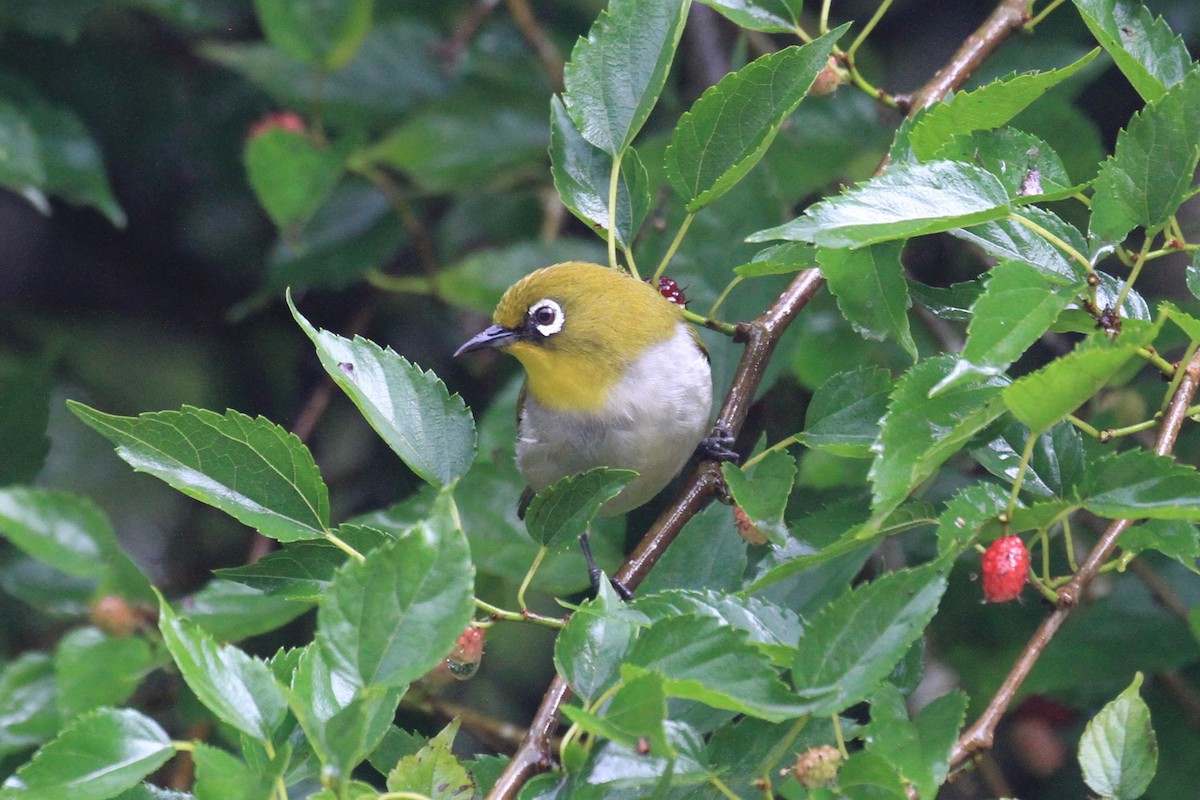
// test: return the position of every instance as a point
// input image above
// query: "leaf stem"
(1139, 261)
(341, 544)
(1083, 426)
(866, 31)
(666, 259)
(533, 568)
(1021, 469)
(1160, 363)
(1054, 240)
(1069, 543)
(401, 284)
(782, 444)
(722, 788)
(613, 181)
(839, 737)
(712, 312)
(717, 325)
(403, 796)
(823, 24)
(1041, 15)
(518, 616)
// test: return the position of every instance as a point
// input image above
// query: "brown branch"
(526, 22)
(980, 735)
(760, 337)
(1006, 19)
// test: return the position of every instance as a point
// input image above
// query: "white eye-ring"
(547, 316)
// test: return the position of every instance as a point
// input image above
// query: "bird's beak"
(493, 336)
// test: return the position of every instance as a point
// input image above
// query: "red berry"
(285, 120)
(670, 290)
(464, 659)
(1005, 569)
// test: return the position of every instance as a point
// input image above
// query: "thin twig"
(980, 735)
(526, 22)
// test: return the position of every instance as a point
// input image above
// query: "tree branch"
(980, 735)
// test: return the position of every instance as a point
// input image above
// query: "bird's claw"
(717, 446)
(594, 573)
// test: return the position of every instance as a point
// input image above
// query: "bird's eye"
(547, 316)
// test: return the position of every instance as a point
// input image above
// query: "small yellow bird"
(614, 378)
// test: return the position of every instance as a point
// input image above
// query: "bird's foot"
(594, 573)
(717, 446)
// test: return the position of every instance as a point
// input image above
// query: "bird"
(615, 377)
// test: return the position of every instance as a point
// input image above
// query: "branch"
(980, 735)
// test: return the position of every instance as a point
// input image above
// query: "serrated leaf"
(290, 175)
(433, 772)
(844, 414)
(918, 749)
(1055, 466)
(251, 469)
(1008, 239)
(773, 629)
(906, 200)
(299, 571)
(315, 32)
(868, 283)
(220, 775)
(342, 721)
(1016, 309)
(98, 756)
(985, 108)
(615, 75)
(239, 689)
(28, 694)
(729, 127)
(582, 172)
(64, 530)
(700, 659)
(1150, 172)
(1175, 539)
(779, 259)
(952, 302)
(1042, 398)
(709, 555)
(763, 491)
(1025, 164)
(590, 648)
(562, 511)
(768, 16)
(389, 619)
(231, 611)
(856, 641)
(1185, 322)
(94, 669)
(411, 410)
(1118, 751)
(1152, 56)
(395, 745)
(920, 432)
(1140, 484)
(636, 712)
(972, 514)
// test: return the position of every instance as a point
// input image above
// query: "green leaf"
(763, 491)
(1042, 398)
(918, 749)
(779, 259)
(434, 772)
(867, 776)
(972, 514)
(1175, 539)
(768, 16)
(230, 611)
(855, 642)
(952, 302)
(28, 711)
(290, 175)
(773, 629)
(1055, 467)
(299, 571)
(479, 280)
(343, 723)
(74, 167)
(920, 432)
(1008, 239)
(708, 555)
(1118, 750)
(1140, 484)
(562, 511)
(1185, 322)
(251, 469)
(316, 32)
(223, 776)
(906, 200)
(389, 619)
(582, 172)
(21, 167)
(636, 712)
(410, 409)
(1150, 172)
(589, 650)
(844, 414)
(986, 108)
(1152, 57)
(239, 689)
(1025, 164)
(99, 755)
(730, 126)
(701, 659)
(66, 531)
(24, 415)
(615, 75)
(868, 283)
(1016, 309)
(395, 745)
(94, 669)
